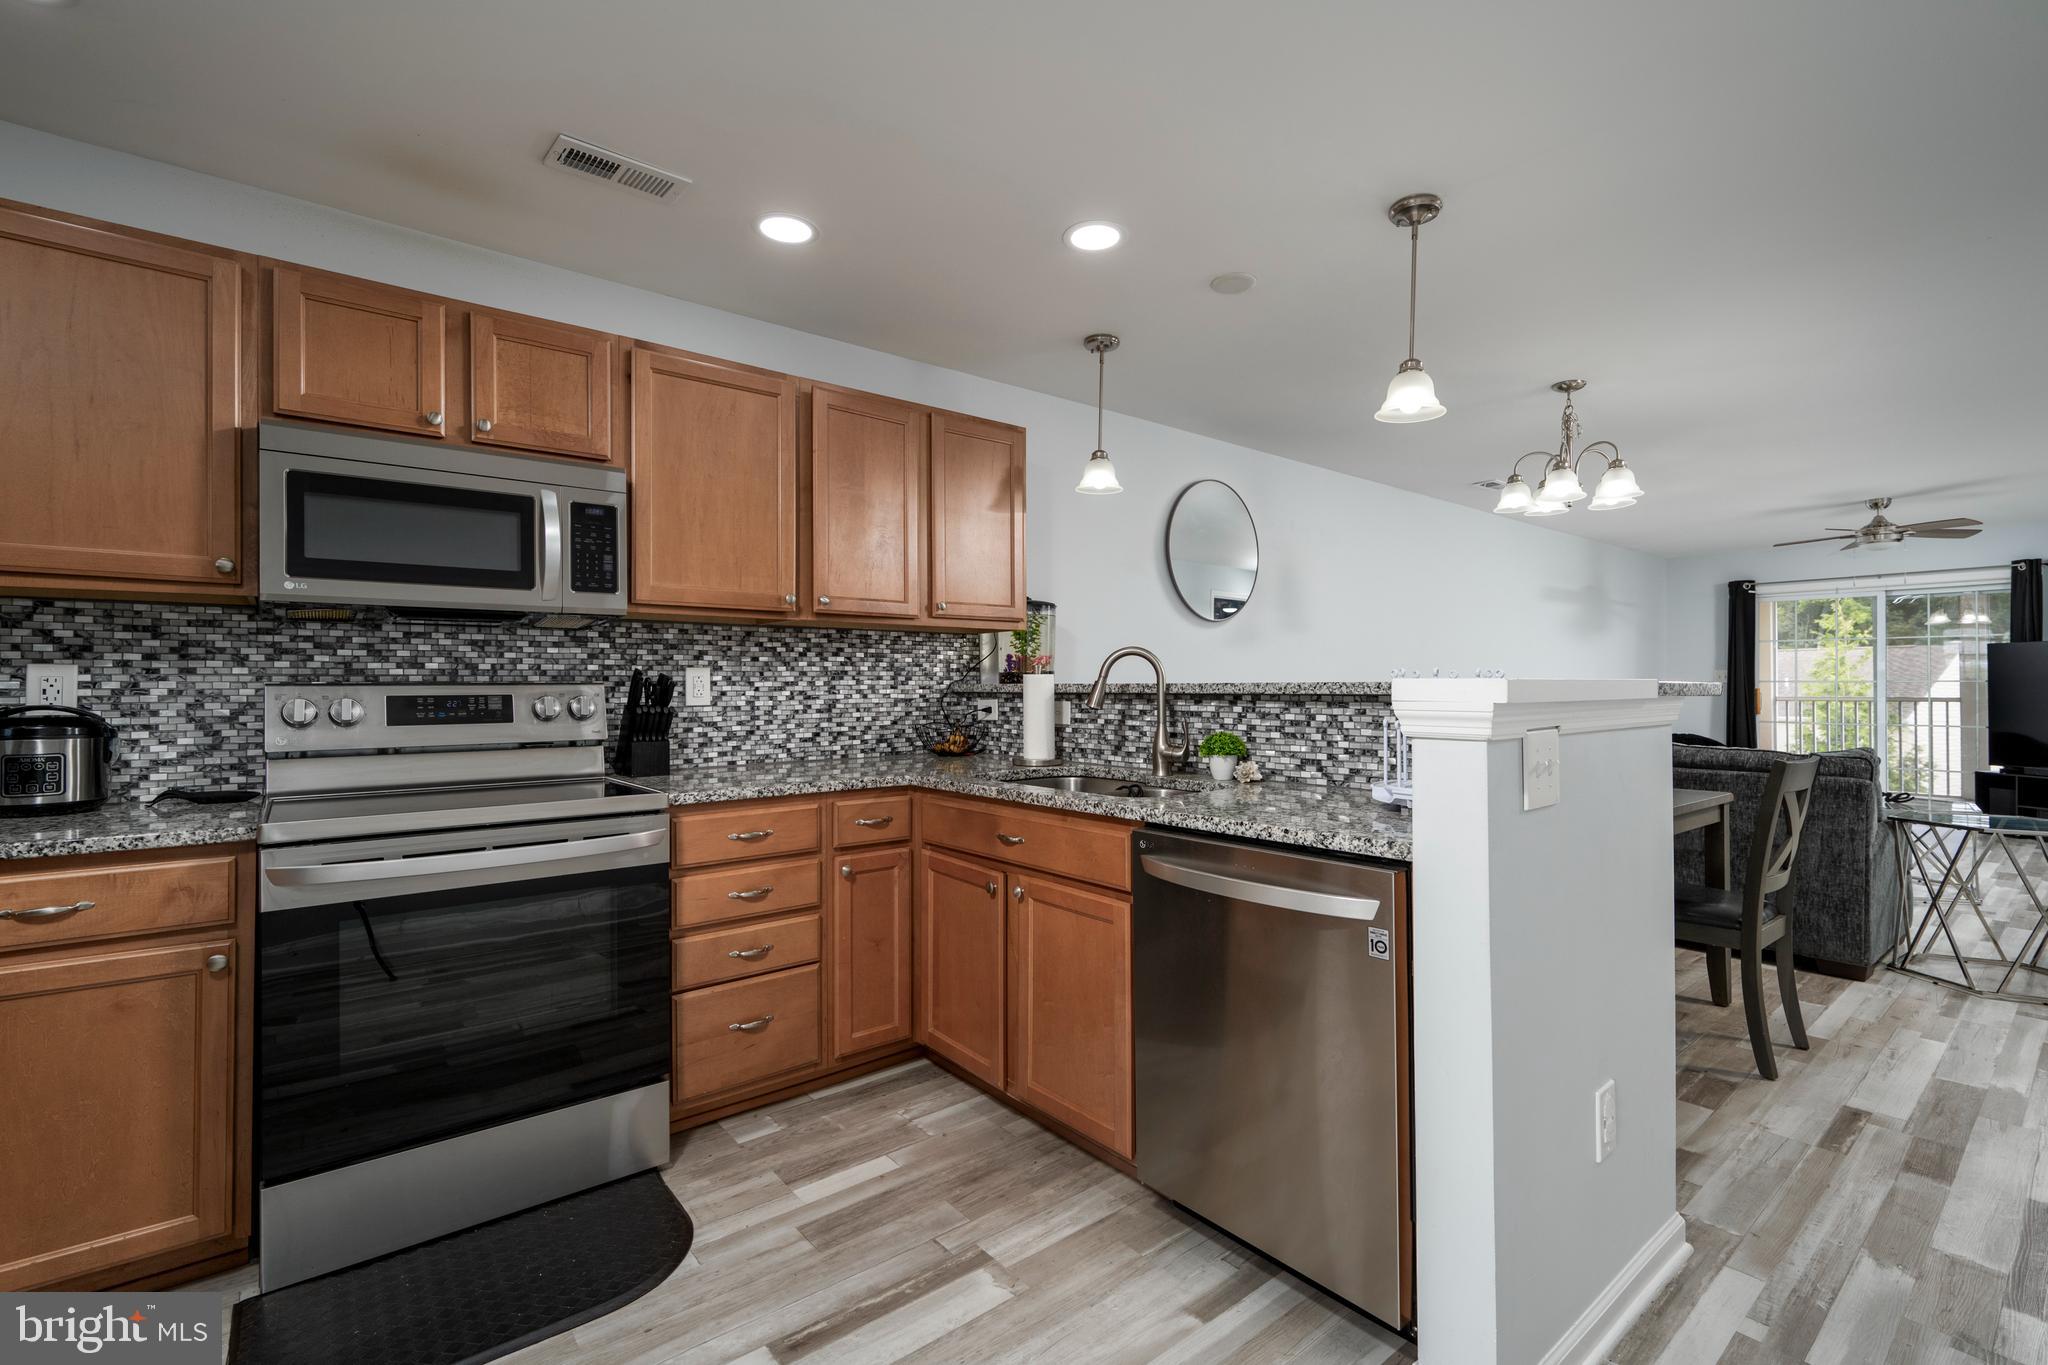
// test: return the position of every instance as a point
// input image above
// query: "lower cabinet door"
(870, 950)
(960, 949)
(117, 1086)
(1070, 1007)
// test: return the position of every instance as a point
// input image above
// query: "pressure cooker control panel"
(32, 775)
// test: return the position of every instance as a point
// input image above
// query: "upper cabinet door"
(117, 414)
(714, 486)
(977, 520)
(867, 523)
(355, 352)
(539, 386)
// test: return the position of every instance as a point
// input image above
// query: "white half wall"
(1358, 579)
(1696, 593)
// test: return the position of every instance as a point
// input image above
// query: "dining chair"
(1760, 913)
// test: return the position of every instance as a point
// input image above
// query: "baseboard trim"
(1617, 1307)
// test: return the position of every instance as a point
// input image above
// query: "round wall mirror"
(1212, 550)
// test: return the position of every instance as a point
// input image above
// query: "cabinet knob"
(1018, 891)
(224, 565)
(483, 424)
(846, 871)
(789, 600)
(433, 419)
(991, 888)
(217, 964)
(824, 601)
(942, 606)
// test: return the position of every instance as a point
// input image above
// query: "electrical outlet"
(1603, 1122)
(697, 685)
(51, 684)
(985, 708)
(1065, 715)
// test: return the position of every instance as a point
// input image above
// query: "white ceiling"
(1796, 249)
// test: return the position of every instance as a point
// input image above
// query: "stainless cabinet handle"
(752, 1025)
(433, 419)
(846, 871)
(824, 601)
(992, 888)
(756, 894)
(748, 836)
(1011, 839)
(47, 911)
(223, 565)
(875, 821)
(217, 964)
(483, 424)
(752, 954)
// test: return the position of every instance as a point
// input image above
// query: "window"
(1892, 664)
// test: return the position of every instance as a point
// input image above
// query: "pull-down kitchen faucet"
(1163, 752)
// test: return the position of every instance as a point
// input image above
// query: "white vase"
(1038, 745)
(1222, 766)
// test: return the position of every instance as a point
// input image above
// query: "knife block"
(641, 757)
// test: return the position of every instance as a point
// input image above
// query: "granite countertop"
(1341, 819)
(1368, 688)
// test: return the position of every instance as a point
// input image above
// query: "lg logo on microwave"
(166, 1329)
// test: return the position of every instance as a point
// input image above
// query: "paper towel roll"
(1038, 729)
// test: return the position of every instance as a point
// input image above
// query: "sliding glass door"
(1895, 668)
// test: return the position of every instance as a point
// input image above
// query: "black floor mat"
(478, 1294)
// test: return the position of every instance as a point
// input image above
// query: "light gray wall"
(1696, 592)
(1358, 579)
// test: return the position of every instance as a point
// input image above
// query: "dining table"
(1711, 811)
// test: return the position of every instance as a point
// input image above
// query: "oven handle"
(551, 547)
(390, 869)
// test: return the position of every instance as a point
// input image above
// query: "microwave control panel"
(593, 547)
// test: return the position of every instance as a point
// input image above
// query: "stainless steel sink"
(1099, 786)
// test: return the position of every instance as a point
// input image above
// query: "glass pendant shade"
(1099, 475)
(1617, 488)
(1560, 486)
(1547, 509)
(1411, 397)
(1515, 496)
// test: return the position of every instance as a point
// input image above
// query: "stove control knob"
(298, 713)
(345, 711)
(582, 706)
(547, 707)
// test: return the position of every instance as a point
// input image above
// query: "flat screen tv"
(2018, 686)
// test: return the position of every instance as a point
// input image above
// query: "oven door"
(418, 988)
(366, 534)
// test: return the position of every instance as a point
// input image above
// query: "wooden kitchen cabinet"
(119, 1121)
(351, 351)
(1070, 1044)
(977, 521)
(121, 364)
(867, 459)
(538, 386)
(714, 480)
(961, 981)
(871, 895)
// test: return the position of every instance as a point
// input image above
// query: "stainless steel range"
(463, 974)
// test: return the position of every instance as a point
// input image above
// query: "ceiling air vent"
(587, 158)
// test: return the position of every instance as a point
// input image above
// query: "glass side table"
(1944, 845)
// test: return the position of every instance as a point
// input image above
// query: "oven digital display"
(466, 708)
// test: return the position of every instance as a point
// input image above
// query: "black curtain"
(2026, 600)
(1740, 693)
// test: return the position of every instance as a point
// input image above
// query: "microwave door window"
(383, 531)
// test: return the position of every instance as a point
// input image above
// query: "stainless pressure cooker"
(54, 759)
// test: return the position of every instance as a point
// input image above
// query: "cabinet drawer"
(148, 895)
(757, 889)
(780, 1013)
(725, 834)
(717, 954)
(1077, 846)
(860, 820)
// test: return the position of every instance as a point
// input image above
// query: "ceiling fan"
(1881, 533)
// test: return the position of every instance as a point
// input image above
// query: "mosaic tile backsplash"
(184, 682)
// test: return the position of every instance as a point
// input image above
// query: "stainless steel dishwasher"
(1272, 1055)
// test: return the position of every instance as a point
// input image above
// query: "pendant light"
(1411, 397)
(1099, 476)
(1560, 487)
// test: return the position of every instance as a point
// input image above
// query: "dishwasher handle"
(1260, 893)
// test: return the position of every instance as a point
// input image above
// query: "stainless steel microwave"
(428, 527)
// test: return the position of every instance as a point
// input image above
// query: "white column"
(1542, 961)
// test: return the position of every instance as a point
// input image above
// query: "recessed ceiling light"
(1236, 282)
(786, 228)
(1094, 236)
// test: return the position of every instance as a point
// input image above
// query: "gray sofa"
(1848, 908)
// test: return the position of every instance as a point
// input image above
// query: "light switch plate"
(1604, 1122)
(1542, 782)
(697, 685)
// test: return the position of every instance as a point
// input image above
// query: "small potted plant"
(1223, 749)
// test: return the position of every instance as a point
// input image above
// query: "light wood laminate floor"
(1885, 1201)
